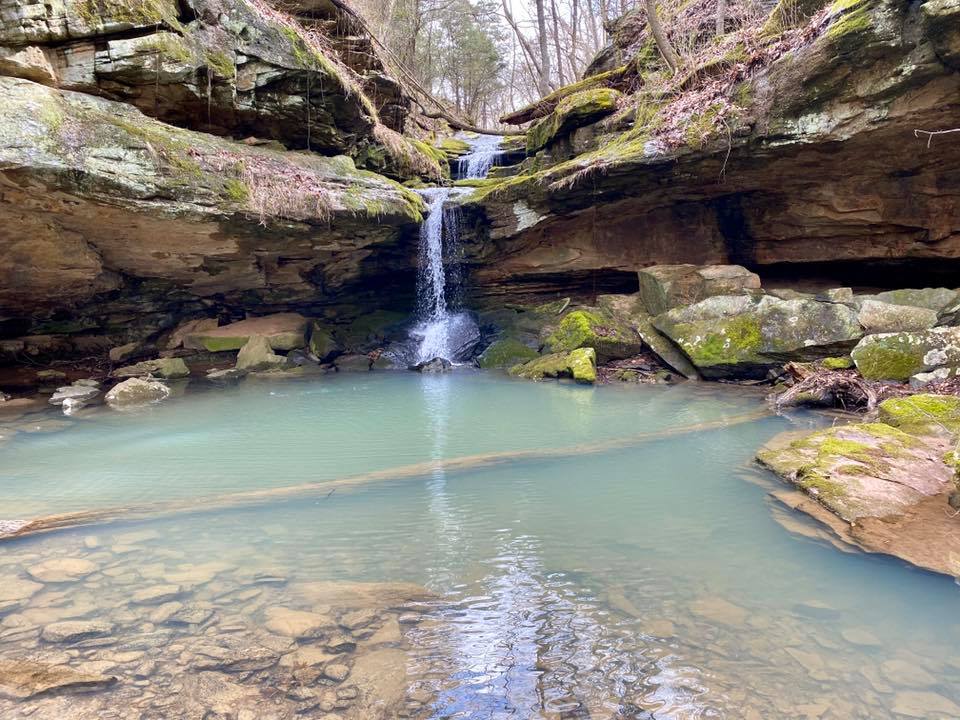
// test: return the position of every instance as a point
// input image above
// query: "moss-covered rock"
(898, 356)
(837, 363)
(322, 343)
(505, 353)
(574, 111)
(257, 355)
(860, 470)
(612, 338)
(922, 413)
(744, 335)
(283, 331)
(167, 368)
(579, 364)
(935, 299)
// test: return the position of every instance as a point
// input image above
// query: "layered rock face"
(115, 225)
(816, 162)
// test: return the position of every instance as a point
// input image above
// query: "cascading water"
(441, 332)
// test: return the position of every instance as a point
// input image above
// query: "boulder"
(123, 353)
(612, 338)
(936, 299)
(505, 353)
(435, 366)
(898, 356)
(257, 355)
(574, 111)
(922, 413)
(283, 331)
(876, 316)
(354, 363)
(73, 392)
(25, 679)
(72, 631)
(862, 470)
(190, 327)
(663, 287)
(167, 368)
(579, 364)
(322, 343)
(745, 335)
(136, 392)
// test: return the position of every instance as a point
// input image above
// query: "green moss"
(505, 353)
(856, 18)
(579, 364)
(701, 126)
(788, 14)
(837, 363)
(579, 328)
(452, 147)
(576, 110)
(734, 341)
(169, 47)
(94, 13)
(221, 63)
(236, 190)
(917, 412)
(173, 154)
(893, 357)
(583, 365)
(818, 483)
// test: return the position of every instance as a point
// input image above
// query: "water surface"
(648, 579)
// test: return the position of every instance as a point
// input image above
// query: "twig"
(930, 133)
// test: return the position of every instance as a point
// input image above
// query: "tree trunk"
(544, 49)
(663, 42)
(721, 16)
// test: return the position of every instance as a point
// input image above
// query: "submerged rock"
(72, 631)
(136, 392)
(58, 570)
(579, 364)
(744, 336)
(898, 356)
(168, 368)
(26, 679)
(80, 393)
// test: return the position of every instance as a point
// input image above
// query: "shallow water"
(613, 581)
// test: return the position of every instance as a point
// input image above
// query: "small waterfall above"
(484, 150)
(443, 330)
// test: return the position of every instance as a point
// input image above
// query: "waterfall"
(441, 331)
(483, 153)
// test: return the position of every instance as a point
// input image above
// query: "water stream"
(646, 576)
(443, 330)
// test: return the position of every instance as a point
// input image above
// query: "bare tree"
(544, 49)
(663, 42)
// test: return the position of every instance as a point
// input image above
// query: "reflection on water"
(647, 581)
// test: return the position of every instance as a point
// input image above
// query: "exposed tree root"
(12, 529)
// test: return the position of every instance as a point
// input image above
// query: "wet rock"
(25, 679)
(337, 672)
(358, 619)
(190, 327)
(73, 392)
(719, 610)
(73, 631)
(257, 355)
(354, 363)
(58, 570)
(225, 375)
(192, 614)
(51, 375)
(136, 392)
(71, 406)
(745, 336)
(663, 287)
(898, 356)
(381, 679)
(87, 382)
(16, 589)
(167, 368)
(881, 317)
(341, 644)
(926, 705)
(906, 674)
(297, 624)
(433, 367)
(156, 595)
(283, 331)
(122, 353)
(234, 654)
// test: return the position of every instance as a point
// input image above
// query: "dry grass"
(407, 157)
(281, 191)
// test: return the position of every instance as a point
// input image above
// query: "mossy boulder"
(744, 335)
(898, 356)
(837, 363)
(663, 287)
(861, 470)
(611, 337)
(167, 368)
(936, 299)
(579, 364)
(922, 413)
(371, 331)
(574, 111)
(505, 353)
